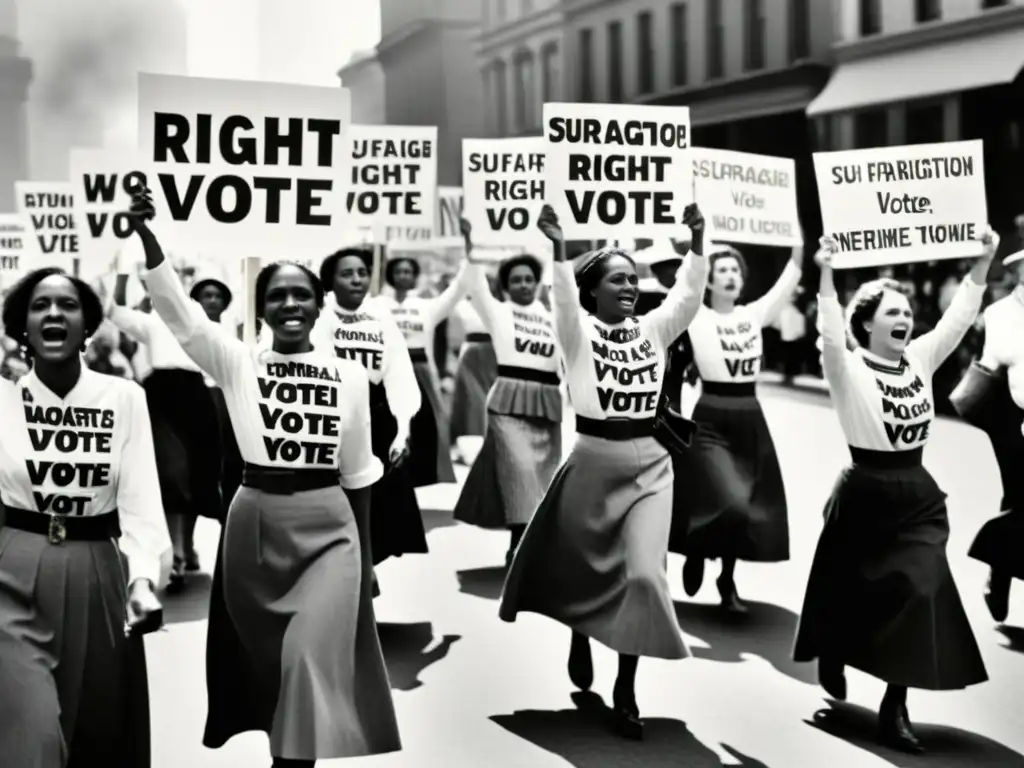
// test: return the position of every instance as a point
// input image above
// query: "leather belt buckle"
(58, 531)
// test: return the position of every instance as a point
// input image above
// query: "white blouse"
(418, 317)
(370, 337)
(523, 337)
(886, 406)
(616, 371)
(306, 411)
(1004, 341)
(468, 318)
(164, 351)
(85, 455)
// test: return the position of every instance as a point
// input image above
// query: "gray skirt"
(294, 593)
(73, 689)
(475, 373)
(594, 555)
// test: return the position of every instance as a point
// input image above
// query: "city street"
(473, 691)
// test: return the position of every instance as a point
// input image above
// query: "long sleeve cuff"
(365, 477)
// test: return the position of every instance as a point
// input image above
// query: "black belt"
(863, 457)
(61, 528)
(729, 388)
(478, 337)
(285, 482)
(528, 374)
(615, 429)
(418, 355)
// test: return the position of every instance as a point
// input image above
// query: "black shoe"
(832, 678)
(693, 574)
(894, 729)
(581, 663)
(997, 596)
(192, 563)
(176, 582)
(625, 718)
(730, 600)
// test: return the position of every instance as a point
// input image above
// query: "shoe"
(832, 678)
(176, 582)
(693, 575)
(997, 596)
(581, 663)
(625, 718)
(192, 563)
(894, 729)
(730, 600)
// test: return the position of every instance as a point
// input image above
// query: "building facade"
(15, 76)
(363, 76)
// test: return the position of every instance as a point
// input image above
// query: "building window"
(549, 72)
(645, 52)
(585, 59)
(680, 74)
(499, 87)
(716, 39)
(753, 53)
(799, 30)
(871, 128)
(986, 4)
(925, 124)
(927, 10)
(615, 89)
(870, 17)
(525, 92)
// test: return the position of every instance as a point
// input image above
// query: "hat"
(1013, 258)
(205, 280)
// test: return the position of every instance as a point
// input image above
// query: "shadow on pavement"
(583, 739)
(482, 582)
(944, 747)
(191, 604)
(404, 647)
(1014, 637)
(436, 518)
(766, 631)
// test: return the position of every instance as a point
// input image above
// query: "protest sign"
(747, 198)
(504, 181)
(445, 233)
(13, 240)
(101, 183)
(244, 163)
(894, 205)
(47, 208)
(618, 171)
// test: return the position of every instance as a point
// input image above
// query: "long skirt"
(187, 442)
(521, 453)
(293, 650)
(232, 465)
(881, 597)
(594, 555)
(729, 497)
(396, 525)
(475, 374)
(74, 691)
(430, 459)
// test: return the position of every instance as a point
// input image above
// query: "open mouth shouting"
(900, 332)
(53, 336)
(627, 300)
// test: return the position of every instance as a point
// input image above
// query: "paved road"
(471, 690)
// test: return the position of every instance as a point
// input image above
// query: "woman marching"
(361, 330)
(729, 500)
(991, 397)
(475, 373)
(593, 556)
(523, 445)
(181, 408)
(296, 655)
(880, 597)
(83, 542)
(430, 459)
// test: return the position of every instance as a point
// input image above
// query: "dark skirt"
(292, 646)
(475, 374)
(430, 459)
(231, 474)
(880, 597)
(594, 555)
(729, 498)
(396, 525)
(187, 442)
(73, 690)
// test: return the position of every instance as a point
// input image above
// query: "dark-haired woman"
(593, 556)
(430, 459)
(359, 329)
(297, 654)
(475, 373)
(880, 597)
(181, 410)
(83, 541)
(729, 500)
(523, 444)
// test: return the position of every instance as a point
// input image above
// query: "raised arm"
(480, 295)
(139, 326)
(835, 353)
(441, 306)
(767, 308)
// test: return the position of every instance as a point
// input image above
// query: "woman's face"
(351, 281)
(289, 306)
(726, 279)
(213, 301)
(522, 285)
(404, 275)
(889, 329)
(616, 293)
(55, 327)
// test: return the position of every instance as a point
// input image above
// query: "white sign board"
(48, 210)
(101, 180)
(895, 205)
(445, 232)
(504, 183)
(618, 171)
(14, 260)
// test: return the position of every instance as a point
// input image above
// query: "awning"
(919, 73)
